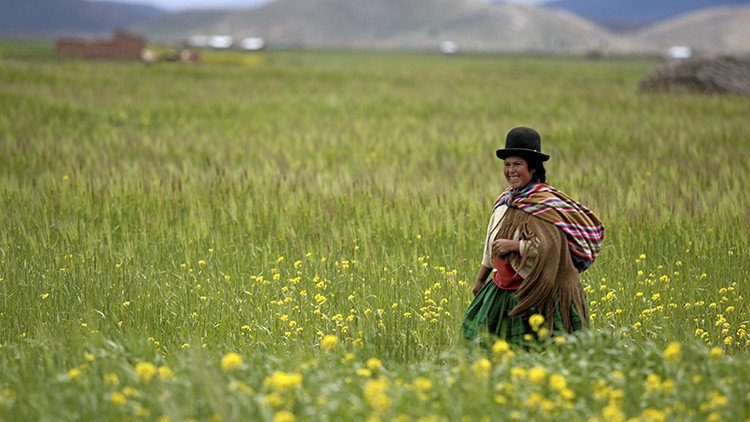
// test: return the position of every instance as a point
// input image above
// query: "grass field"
(295, 235)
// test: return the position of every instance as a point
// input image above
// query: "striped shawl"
(583, 230)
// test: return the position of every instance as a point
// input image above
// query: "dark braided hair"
(540, 174)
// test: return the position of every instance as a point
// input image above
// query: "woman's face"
(517, 172)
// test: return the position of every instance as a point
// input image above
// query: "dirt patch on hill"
(720, 75)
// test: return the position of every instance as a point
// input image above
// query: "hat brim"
(521, 152)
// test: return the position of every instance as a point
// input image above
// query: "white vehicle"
(680, 52)
(252, 43)
(220, 41)
(448, 47)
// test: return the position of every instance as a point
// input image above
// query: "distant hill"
(413, 24)
(474, 25)
(625, 15)
(718, 30)
(50, 18)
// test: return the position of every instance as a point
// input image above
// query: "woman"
(538, 240)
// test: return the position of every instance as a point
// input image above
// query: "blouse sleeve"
(528, 249)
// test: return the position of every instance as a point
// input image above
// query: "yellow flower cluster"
(501, 348)
(281, 381)
(231, 361)
(673, 352)
(375, 393)
(329, 342)
(481, 368)
(145, 370)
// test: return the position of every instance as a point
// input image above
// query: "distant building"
(680, 52)
(122, 45)
(220, 41)
(211, 41)
(448, 47)
(252, 43)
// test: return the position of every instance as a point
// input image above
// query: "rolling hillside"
(475, 25)
(720, 30)
(624, 15)
(417, 24)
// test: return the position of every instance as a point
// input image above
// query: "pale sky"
(173, 5)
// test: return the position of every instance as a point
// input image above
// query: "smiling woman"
(538, 240)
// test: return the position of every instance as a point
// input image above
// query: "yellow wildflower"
(481, 368)
(717, 399)
(283, 416)
(145, 370)
(422, 384)
(274, 400)
(374, 363)
(716, 352)
(612, 413)
(536, 321)
(567, 394)
(111, 379)
(672, 352)
(653, 382)
(282, 381)
(517, 372)
(74, 373)
(130, 392)
(655, 415)
(165, 372)
(500, 347)
(117, 398)
(329, 342)
(536, 374)
(231, 361)
(557, 382)
(364, 372)
(375, 394)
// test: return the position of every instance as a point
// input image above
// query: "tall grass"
(169, 215)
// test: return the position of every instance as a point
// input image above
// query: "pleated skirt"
(489, 315)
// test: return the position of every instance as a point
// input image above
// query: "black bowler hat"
(523, 142)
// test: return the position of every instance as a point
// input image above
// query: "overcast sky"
(212, 4)
(195, 4)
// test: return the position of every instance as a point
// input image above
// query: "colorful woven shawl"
(583, 230)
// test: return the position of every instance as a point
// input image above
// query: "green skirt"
(488, 315)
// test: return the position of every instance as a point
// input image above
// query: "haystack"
(719, 75)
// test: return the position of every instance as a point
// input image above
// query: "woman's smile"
(516, 172)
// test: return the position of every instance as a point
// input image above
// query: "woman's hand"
(482, 275)
(502, 247)
(477, 287)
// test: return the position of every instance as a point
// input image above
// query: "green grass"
(171, 214)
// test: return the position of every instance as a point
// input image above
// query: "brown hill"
(718, 30)
(395, 24)
(517, 28)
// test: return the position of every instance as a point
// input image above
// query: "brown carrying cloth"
(553, 279)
